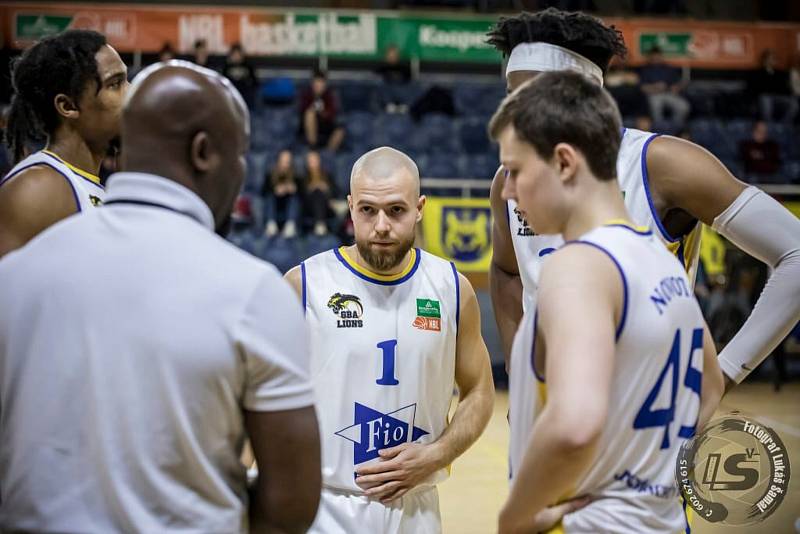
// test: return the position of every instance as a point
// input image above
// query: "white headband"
(548, 57)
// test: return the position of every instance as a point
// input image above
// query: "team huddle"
(139, 351)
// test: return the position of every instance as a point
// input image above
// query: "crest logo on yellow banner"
(459, 230)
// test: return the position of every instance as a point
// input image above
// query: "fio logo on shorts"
(735, 472)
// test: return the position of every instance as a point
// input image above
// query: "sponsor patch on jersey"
(95, 200)
(429, 315)
(348, 310)
(373, 430)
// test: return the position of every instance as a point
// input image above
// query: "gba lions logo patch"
(348, 309)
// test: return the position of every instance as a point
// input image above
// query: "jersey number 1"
(647, 417)
(389, 350)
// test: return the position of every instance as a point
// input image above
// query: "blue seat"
(357, 95)
(444, 165)
(481, 166)
(740, 129)
(359, 128)
(316, 244)
(258, 162)
(436, 133)
(344, 165)
(283, 253)
(473, 136)
(395, 131)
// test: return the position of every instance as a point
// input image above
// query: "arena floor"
(471, 498)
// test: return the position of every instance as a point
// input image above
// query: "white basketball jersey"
(632, 176)
(85, 187)
(382, 357)
(655, 394)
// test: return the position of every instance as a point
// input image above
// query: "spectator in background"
(396, 74)
(770, 86)
(318, 193)
(241, 73)
(318, 115)
(166, 53)
(281, 195)
(201, 55)
(623, 84)
(662, 83)
(794, 80)
(760, 155)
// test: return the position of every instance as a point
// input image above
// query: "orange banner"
(364, 34)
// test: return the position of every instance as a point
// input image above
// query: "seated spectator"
(202, 56)
(395, 74)
(167, 52)
(318, 193)
(794, 78)
(623, 84)
(281, 196)
(241, 73)
(769, 86)
(662, 83)
(319, 113)
(760, 155)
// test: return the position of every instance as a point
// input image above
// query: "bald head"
(188, 124)
(384, 163)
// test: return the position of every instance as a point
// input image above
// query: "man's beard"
(384, 261)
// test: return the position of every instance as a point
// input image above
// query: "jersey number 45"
(647, 417)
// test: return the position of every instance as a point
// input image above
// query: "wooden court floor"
(471, 498)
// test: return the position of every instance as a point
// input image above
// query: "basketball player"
(69, 90)
(393, 328)
(615, 315)
(668, 183)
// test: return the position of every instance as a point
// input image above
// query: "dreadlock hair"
(578, 32)
(59, 64)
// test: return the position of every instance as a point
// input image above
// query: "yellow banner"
(459, 230)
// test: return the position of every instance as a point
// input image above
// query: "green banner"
(367, 36)
(34, 27)
(671, 44)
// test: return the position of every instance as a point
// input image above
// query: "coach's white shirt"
(131, 339)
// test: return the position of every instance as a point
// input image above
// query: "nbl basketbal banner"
(459, 230)
(366, 34)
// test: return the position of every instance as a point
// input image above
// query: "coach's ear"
(565, 161)
(420, 207)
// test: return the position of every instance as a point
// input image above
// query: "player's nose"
(509, 191)
(382, 225)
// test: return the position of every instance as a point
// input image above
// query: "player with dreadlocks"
(68, 92)
(668, 184)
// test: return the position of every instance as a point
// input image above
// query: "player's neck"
(75, 151)
(600, 203)
(352, 252)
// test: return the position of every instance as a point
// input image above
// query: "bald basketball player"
(138, 349)
(68, 90)
(392, 329)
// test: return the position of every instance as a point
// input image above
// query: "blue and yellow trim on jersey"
(677, 245)
(80, 172)
(380, 279)
(636, 229)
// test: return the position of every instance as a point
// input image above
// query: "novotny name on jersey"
(669, 288)
(373, 430)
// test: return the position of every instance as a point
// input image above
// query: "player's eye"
(366, 209)
(397, 210)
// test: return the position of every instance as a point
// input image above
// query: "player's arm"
(407, 465)
(295, 279)
(578, 312)
(713, 384)
(688, 177)
(278, 410)
(505, 284)
(30, 202)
